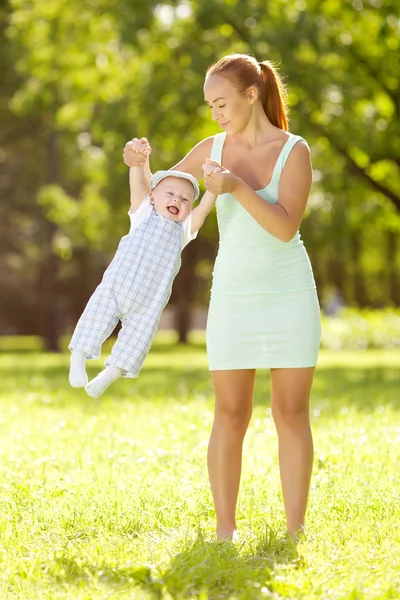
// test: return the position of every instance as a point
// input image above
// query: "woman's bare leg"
(290, 401)
(234, 392)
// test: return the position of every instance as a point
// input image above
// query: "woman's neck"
(258, 129)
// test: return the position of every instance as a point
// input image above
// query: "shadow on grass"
(74, 571)
(223, 570)
(219, 570)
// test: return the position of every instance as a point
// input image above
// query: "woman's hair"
(243, 71)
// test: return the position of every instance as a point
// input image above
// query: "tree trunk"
(50, 297)
(394, 275)
(183, 292)
(337, 276)
(358, 278)
(50, 292)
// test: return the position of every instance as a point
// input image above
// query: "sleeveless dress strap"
(287, 148)
(216, 150)
(282, 158)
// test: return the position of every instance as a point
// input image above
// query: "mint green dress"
(264, 310)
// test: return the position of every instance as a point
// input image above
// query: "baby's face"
(172, 198)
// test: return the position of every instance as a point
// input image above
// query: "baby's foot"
(77, 371)
(99, 384)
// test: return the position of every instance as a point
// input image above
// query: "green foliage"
(79, 80)
(361, 329)
(79, 222)
(111, 497)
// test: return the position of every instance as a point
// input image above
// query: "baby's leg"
(99, 384)
(128, 353)
(134, 341)
(77, 370)
(95, 325)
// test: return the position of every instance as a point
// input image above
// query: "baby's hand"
(141, 146)
(217, 179)
(136, 152)
(209, 169)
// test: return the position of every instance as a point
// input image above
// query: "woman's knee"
(290, 411)
(234, 398)
(235, 415)
(291, 390)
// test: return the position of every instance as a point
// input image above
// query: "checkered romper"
(135, 288)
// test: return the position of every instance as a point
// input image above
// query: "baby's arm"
(203, 209)
(206, 204)
(137, 180)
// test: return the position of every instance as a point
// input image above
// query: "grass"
(110, 498)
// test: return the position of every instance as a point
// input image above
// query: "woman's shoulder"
(296, 151)
(206, 144)
(298, 140)
(295, 146)
(301, 149)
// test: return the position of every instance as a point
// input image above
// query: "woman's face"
(230, 108)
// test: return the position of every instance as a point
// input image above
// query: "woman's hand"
(136, 152)
(219, 182)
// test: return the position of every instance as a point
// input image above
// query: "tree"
(87, 77)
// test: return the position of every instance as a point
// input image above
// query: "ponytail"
(244, 71)
(273, 96)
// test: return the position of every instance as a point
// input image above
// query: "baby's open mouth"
(173, 210)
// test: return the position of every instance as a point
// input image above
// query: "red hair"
(243, 71)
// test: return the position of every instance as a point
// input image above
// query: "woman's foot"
(99, 384)
(77, 370)
(297, 536)
(227, 536)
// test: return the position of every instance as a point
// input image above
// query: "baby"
(137, 284)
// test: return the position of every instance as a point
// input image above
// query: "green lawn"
(109, 498)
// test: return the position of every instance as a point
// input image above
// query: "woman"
(264, 310)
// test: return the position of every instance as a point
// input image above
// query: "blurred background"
(78, 80)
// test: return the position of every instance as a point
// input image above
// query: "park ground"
(109, 498)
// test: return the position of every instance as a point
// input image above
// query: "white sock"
(99, 384)
(77, 371)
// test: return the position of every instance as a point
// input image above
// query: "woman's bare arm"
(193, 161)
